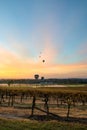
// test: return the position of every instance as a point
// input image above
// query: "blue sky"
(56, 28)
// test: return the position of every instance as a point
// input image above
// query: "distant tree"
(10, 82)
(36, 76)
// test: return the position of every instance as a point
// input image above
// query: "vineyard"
(44, 101)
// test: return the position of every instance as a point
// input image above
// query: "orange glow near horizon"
(14, 66)
(28, 70)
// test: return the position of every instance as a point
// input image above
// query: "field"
(35, 125)
(59, 107)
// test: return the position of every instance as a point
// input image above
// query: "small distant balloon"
(40, 56)
(43, 61)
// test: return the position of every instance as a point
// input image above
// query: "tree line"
(44, 81)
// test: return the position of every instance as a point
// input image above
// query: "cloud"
(49, 52)
(19, 47)
(6, 57)
(82, 50)
(13, 65)
(66, 71)
(81, 53)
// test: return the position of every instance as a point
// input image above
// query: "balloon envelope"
(43, 61)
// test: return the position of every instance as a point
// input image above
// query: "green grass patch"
(35, 125)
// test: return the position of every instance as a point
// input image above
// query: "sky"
(35, 30)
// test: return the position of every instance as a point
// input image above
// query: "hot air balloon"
(43, 61)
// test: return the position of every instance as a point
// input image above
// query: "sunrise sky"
(50, 30)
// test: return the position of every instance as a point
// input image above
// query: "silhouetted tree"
(10, 82)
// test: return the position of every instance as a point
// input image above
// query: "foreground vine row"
(69, 96)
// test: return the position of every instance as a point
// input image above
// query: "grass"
(76, 85)
(9, 124)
